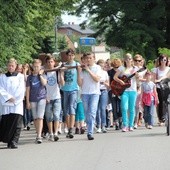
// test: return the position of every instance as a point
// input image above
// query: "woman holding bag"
(160, 73)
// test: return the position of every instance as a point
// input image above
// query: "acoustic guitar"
(117, 89)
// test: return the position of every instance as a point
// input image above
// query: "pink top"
(147, 98)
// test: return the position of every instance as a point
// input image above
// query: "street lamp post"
(56, 52)
(56, 34)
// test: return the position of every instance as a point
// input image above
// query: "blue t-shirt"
(37, 90)
(70, 78)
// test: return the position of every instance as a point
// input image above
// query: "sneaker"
(98, 130)
(124, 129)
(90, 137)
(70, 135)
(161, 124)
(45, 135)
(38, 140)
(77, 131)
(146, 125)
(51, 137)
(149, 126)
(82, 130)
(56, 138)
(59, 132)
(104, 130)
(28, 128)
(25, 128)
(135, 126)
(131, 129)
(117, 126)
(65, 130)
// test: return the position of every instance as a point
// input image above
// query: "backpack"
(165, 88)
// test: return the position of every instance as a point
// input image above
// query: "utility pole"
(55, 28)
(56, 52)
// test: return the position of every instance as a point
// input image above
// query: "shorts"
(53, 110)
(70, 102)
(38, 109)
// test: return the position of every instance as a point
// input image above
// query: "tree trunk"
(168, 23)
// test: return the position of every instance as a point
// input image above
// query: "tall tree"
(24, 22)
(136, 26)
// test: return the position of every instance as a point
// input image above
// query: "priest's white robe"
(12, 87)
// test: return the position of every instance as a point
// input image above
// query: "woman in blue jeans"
(128, 97)
(103, 99)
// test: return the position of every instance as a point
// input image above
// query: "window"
(69, 32)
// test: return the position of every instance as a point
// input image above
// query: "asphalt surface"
(141, 149)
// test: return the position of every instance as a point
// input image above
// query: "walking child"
(149, 98)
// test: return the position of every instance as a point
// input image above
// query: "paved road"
(142, 149)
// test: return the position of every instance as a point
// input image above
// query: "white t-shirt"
(129, 72)
(159, 73)
(148, 87)
(104, 77)
(90, 86)
(53, 90)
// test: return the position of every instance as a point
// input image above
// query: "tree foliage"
(164, 51)
(27, 25)
(136, 26)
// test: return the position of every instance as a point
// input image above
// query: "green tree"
(164, 51)
(136, 26)
(62, 43)
(26, 25)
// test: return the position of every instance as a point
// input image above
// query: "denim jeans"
(90, 102)
(101, 110)
(161, 111)
(148, 113)
(79, 112)
(116, 107)
(70, 102)
(53, 110)
(27, 116)
(128, 101)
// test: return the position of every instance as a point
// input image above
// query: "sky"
(71, 18)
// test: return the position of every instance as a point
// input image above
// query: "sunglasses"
(137, 60)
(164, 60)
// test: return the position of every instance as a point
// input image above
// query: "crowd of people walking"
(88, 95)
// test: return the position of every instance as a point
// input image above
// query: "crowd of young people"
(78, 95)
